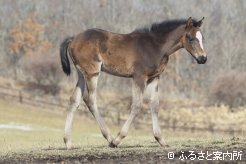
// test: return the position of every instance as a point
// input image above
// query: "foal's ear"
(199, 23)
(189, 23)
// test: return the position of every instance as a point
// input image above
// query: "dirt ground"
(132, 154)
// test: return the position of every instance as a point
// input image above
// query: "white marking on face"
(199, 37)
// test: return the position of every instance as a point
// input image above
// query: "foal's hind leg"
(154, 107)
(91, 102)
(137, 100)
(74, 104)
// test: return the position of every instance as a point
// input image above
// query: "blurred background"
(210, 97)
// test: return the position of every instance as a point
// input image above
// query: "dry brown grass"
(229, 89)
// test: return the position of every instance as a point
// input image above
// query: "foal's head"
(192, 41)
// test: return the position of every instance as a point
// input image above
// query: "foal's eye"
(190, 39)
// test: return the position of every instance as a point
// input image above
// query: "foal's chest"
(160, 68)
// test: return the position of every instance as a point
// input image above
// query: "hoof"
(109, 139)
(164, 145)
(112, 145)
(68, 143)
(161, 142)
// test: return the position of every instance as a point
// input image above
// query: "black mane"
(163, 27)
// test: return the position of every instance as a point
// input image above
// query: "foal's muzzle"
(201, 59)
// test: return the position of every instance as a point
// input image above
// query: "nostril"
(203, 58)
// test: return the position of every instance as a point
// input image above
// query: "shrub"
(27, 38)
(229, 89)
(45, 71)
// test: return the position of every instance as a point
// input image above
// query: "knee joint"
(154, 103)
(135, 110)
(74, 100)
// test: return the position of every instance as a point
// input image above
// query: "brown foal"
(141, 55)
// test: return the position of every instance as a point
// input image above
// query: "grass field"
(35, 135)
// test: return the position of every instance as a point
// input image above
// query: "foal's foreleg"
(91, 103)
(154, 107)
(137, 100)
(74, 104)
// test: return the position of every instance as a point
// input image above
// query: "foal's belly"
(117, 70)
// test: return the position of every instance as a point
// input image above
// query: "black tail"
(64, 56)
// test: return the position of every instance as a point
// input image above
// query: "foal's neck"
(173, 41)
